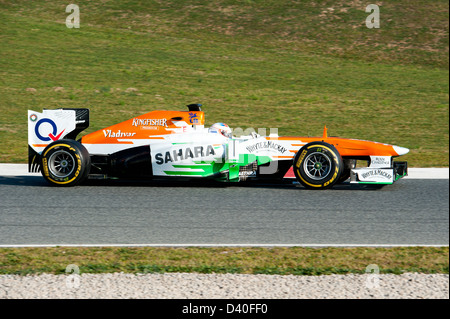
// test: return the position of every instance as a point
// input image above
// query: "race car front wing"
(379, 175)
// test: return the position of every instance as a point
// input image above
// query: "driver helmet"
(221, 128)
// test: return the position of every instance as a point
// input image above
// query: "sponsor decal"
(336, 170)
(300, 159)
(247, 173)
(183, 154)
(380, 161)
(266, 145)
(44, 166)
(193, 118)
(149, 122)
(33, 117)
(109, 133)
(79, 164)
(333, 178)
(376, 172)
(52, 136)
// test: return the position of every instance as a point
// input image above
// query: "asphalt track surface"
(410, 212)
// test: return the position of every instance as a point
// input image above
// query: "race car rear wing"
(52, 125)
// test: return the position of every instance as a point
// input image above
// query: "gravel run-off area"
(224, 286)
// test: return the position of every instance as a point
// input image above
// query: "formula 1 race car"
(175, 144)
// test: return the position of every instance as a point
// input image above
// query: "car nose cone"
(400, 150)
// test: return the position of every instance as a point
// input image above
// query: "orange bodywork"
(154, 125)
(147, 126)
(345, 147)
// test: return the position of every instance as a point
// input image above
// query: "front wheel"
(65, 163)
(318, 165)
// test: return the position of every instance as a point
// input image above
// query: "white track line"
(221, 245)
(413, 172)
(428, 173)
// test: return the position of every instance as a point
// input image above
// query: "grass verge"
(291, 65)
(238, 260)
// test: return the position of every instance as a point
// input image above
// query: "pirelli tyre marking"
(318, 165)
(65, 163)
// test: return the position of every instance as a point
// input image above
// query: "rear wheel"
(65, 163)
(318, 165)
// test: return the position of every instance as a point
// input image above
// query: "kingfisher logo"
(193, 118)
(48, 124)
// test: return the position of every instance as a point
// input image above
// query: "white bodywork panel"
(49, 126)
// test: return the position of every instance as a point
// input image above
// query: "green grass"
(245, 260)
(293, 65)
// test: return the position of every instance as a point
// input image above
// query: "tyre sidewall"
(336, 165)
(81, 162)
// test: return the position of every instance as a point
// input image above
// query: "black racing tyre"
(65, 163)
(344, 176)
(318, 165)
(349, 164)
